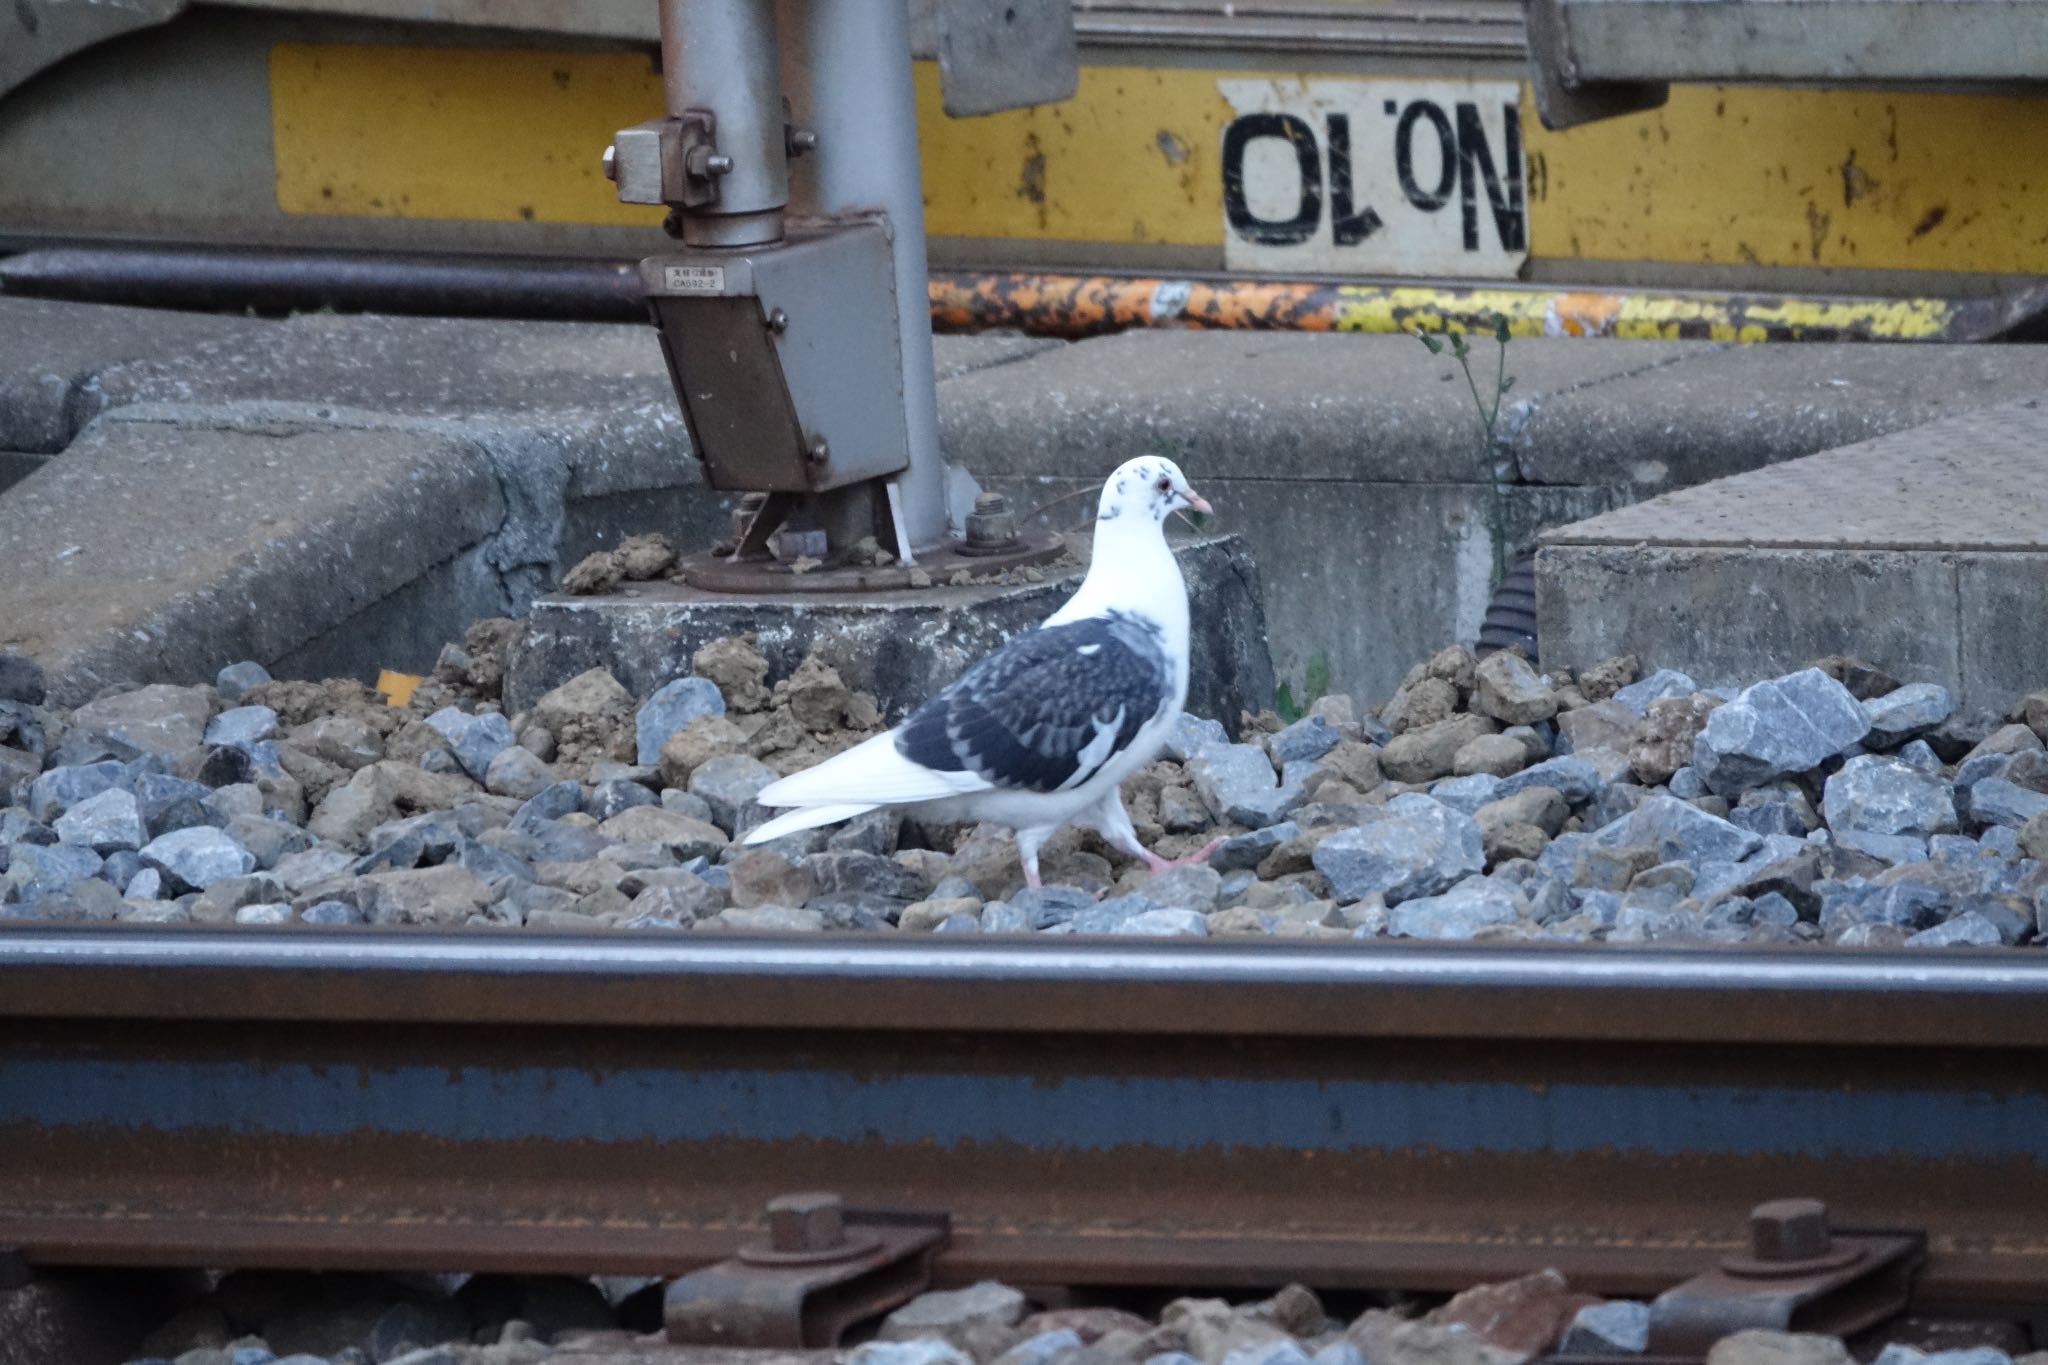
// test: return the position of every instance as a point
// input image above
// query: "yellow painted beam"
(1734, 176)
(480, 134)
(1756, 176)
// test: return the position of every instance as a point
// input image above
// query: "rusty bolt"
(1789, 1230)
(991, 525)
(812, 1221)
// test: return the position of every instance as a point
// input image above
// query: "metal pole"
(718, 57)
(846, 66)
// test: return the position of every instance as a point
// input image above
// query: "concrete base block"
(16, 465)
(1923, 552)
(1731, 616)
(901, 646)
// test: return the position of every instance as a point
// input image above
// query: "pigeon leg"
(1114, 822)
(1029, 841)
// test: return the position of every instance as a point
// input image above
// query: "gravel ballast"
(1482, 801)
(280, 1319)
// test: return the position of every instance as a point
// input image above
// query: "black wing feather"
(1021, 717)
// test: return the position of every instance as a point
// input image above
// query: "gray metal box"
(787, 357)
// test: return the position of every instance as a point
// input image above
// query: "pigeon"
(1044, 730)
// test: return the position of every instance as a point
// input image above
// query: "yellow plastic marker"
(397, 688)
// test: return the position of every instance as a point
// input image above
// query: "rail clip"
(1797, 1276)
(822, 1268)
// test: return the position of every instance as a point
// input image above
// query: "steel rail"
(1397, 1116)
(1584, 993)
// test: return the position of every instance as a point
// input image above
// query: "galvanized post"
(846, 67)
(718, 58)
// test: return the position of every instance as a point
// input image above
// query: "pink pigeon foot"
(1159, 864)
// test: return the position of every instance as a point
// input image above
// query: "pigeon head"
(1150, 488)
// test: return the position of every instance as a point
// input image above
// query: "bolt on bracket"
(1799, 1275)
(822, 1268)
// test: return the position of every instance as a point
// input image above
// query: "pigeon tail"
(871, 773)
(803, 817)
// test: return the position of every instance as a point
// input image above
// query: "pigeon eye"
(1164, 485)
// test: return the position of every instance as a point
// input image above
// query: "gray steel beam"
(1830, 41)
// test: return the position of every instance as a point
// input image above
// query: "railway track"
(1398, 1116)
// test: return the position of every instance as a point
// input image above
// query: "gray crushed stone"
(1483, 801)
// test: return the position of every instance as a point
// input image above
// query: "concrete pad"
(330, 494)
(1925, 552)
(452, 367)
(523, 389)
(164, 550)
(50, 351)
(953, 356)
(901, 646)
(16, 465)
(1260, 405)
(1746, 407)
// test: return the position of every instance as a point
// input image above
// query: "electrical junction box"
(787, 357)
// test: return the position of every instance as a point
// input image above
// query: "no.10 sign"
(1374, 177)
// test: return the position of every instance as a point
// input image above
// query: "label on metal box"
(693, 279)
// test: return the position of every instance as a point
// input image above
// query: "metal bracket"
(672, 161)
(822, 1268)
(1797, 1276)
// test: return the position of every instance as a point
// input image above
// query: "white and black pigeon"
(1044, 730)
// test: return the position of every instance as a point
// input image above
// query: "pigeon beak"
(1199, 503)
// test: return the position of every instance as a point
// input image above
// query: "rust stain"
(1856, 182)
(1816, 227)
(1930, 221)
(1031, 178)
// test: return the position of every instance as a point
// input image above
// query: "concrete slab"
(49, 351)
(953, 356)
(546, 379)
(163, 549)
(1746, 407)
(16, 465)
(1262, 405)
(1351, 463)
(451, 367)
(578, 419)
(329, 494)
(900, 646)
(1925, 552)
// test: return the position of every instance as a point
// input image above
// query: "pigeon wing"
(1048, 709)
